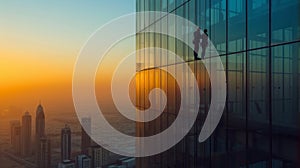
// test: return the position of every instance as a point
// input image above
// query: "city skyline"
(37, 150)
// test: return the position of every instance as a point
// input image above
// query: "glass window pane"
(258, 23)
(236, 25)
(285, 20)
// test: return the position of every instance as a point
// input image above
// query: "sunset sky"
(39, 43)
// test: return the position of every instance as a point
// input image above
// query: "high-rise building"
(85, 138)
(13, 124)
(15, 137)
(66, 164)
(66, 143)
(258, 42)
(101, 157)
(83, 161)
(44, 153)
(26, 134)
(39, 129)
(40, 122)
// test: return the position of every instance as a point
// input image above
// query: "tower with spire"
(39, 133)
(40, 122)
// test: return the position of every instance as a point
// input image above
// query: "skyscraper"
(44, 153)
(66, 143)
(258, 42)
(83, 161)
(13, 124)
(26, 134)
(39, 130)
(40, 122)
(15, 130)
(101, 157)
(85, 138)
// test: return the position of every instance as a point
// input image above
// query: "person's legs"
(203, 51)
(195, 55)
(196, 52)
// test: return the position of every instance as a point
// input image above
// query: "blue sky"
(57, 17)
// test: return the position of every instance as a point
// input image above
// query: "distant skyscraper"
(13, 124)
(66, 164)
(39, 128)
(85, 138)
(83, 161)
(40, 122)
(66, 143)
(44, 153)
(15, 128)
(101, 156)
(26, 134)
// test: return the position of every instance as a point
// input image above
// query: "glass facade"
(259, 45)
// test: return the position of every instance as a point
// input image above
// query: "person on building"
(204, 43)
(196, 43)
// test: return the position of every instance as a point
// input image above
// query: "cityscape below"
(39, 148)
